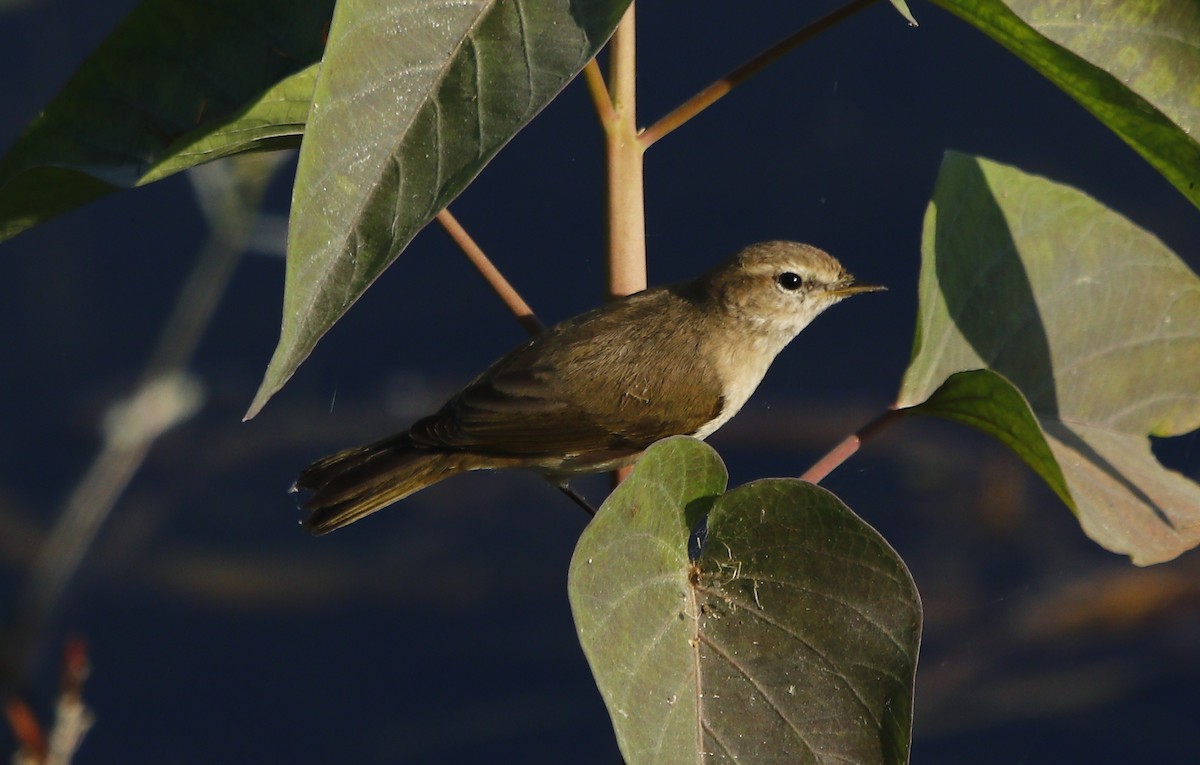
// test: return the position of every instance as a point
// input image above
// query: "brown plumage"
(593, 392)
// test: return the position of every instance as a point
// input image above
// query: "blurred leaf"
(1134, 65)
(1096, 324)
(414, 98)
(791, 638)
(177, 83)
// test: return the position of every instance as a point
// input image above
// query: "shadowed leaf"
(414, 98)
(1135, 65)
(273, 120)
(179, 82)
(1092, 327)
(791, 638)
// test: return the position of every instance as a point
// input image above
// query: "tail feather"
(356, 482)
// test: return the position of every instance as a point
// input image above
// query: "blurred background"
(439, 631)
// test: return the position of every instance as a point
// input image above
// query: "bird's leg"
(575, 496)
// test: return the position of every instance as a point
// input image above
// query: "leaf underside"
(1134, 65)
(413, 100)
(1091, 329)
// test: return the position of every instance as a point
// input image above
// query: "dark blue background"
(439, 631)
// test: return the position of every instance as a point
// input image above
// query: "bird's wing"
(573, 390)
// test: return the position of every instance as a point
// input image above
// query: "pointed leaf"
(414, 98)
(791, 638)
(902, 7)
(1134, 65)
(1096, 324)
(177, 83)
(986, 401)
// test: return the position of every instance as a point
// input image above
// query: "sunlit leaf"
(902, 7)
(1133, 64)
(1092, 328)
(414, 98)
(791, 637)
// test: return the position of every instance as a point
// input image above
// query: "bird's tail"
(356, 482)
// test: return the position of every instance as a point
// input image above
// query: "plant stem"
(501, 286)
(626, 195)
(626, 203)
(713, 92)
(599, 91)
(843, 451)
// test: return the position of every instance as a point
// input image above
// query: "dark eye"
(790, 281)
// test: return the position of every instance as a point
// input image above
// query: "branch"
(843, 451)
(626, 193)
(715, 91)
(626, 196)
(505, 291)
(599, 91)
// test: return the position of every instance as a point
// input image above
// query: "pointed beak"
(846, 290)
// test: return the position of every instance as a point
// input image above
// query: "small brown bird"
(590, 394)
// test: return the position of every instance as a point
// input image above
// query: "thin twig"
(503, 289)
(843, 451)
(713, 92)
(599, 91)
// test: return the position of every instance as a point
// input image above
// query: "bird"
(593, 392)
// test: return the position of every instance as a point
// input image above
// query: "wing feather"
(600, 383)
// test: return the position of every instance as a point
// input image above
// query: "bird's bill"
(846, 290)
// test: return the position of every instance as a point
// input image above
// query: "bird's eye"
(790, 281)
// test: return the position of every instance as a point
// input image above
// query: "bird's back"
(595, 389)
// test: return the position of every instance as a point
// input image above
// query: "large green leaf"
(1133, 64)
(177, 83)
(1092, 328)
(414, 98)
(791, 637)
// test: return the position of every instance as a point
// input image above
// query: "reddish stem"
(26, 729)
(843, 451)
(503, 289)
(709, 95)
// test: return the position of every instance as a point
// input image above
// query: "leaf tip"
(279, 371)
(260, 400)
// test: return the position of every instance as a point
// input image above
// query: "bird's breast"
(740, 366)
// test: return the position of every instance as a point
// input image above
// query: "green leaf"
(1096, 324)
(272, 121)
(414, 98)
(986, 401)
(1135, 65)
(177, 83)
(791, 638)
(902, 7)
